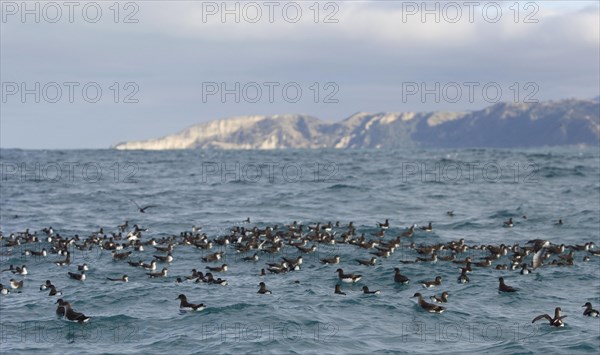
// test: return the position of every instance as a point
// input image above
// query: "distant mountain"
(503, 125)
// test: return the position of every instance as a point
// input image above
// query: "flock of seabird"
(125, 244)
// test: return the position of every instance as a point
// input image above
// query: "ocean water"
(80, 191)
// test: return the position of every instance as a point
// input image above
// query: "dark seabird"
(73, 316)
(429, 307)
(278, 268)
(213, 257)
(451, 257)
(20, 270)
(312, 249)
(11, 268)
(589, 311)
(149, 267)
(195, 275)
(221, 268)
(504, 287)
(294, 263)
(263, 289)
(333, 260)
(220, 281)
(125, 278)
(162, 273)
(66, 261)
(508, 223)
(123, 226)
(450, 213)
(338, 290)
(45, 285)
(199, 276)
(409, 232)
(186, 306)
(382, 253)
(53, 291)
(43, 252)
(586, 247)
(427, 228)
(347, 277)
(251, 258)
(398, 277)
(370, 262)
(486, 263)
(442, 299)
(137, 229)
(164, 259)
(367, 292)
(14, 284)
(384, 225)
(120, 256)
(559, 223)
(75, 276)
(3, 290)
(436, 282)
(60, 310)
(432, 259)
(463, 278)
(524, 269)
(83, 267)
(465, 261)
(379, 234)
(138, 263)
(557, 321)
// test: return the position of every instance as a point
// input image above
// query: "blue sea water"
(80, 191)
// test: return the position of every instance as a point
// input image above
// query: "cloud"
(369, 52)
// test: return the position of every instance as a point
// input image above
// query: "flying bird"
(140, 208)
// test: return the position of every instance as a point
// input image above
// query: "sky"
(93, 74)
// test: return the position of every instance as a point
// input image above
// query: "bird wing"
(537, 262)
(540, 317)
(135, 203)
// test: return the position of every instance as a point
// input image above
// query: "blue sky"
(170, 60)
